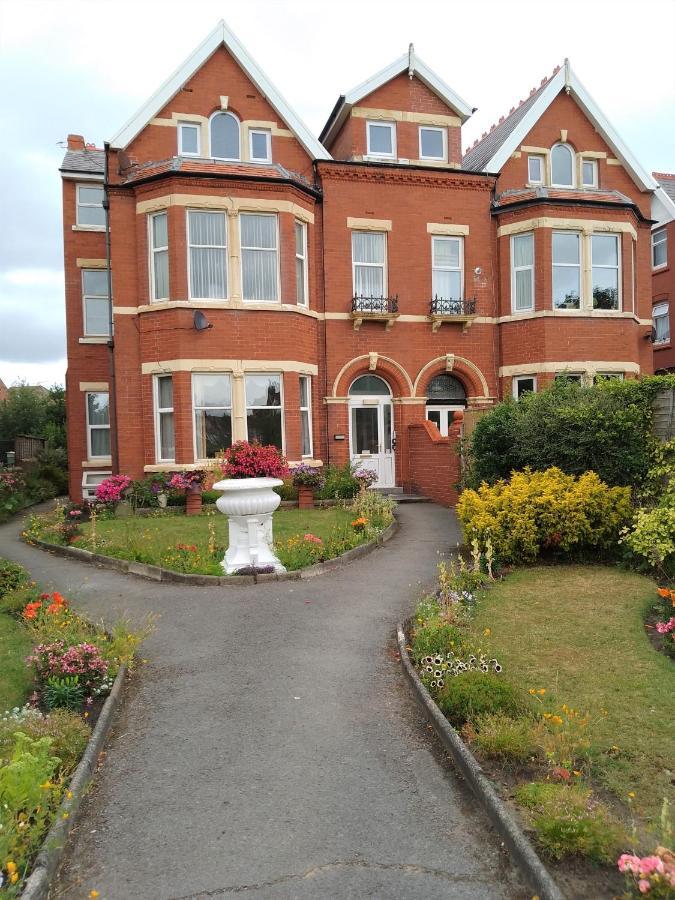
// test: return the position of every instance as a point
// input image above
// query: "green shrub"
(13, 602)
(63, 693)
(12, 576)
(473, 694)
(67, 731)
(287, 490)
(569, 822)
(545, 511)
(435, 637)
(502, 737)
(340, 483)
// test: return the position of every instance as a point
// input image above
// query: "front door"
(371, 437)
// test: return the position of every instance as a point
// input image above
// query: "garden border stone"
(515, 839)
(157, 573)
(49, 857)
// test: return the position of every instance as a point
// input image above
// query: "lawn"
(15, 678)
(578, 632)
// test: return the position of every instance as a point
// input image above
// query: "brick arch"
(393, 373)
(468, 373)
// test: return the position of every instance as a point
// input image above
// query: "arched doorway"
(445, 395)
(371, 428)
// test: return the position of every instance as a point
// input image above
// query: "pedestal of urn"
(249, 504)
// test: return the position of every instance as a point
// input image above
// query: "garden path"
(271, 746)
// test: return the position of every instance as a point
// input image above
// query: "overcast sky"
(86, 66)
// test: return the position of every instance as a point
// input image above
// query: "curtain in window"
(208, 259)
(368, 253)
(605, 259)
(523, 261)
(661, 319)
(160, 261)
(225, 137)
(98, 417)
(566, 270)
(259, 257)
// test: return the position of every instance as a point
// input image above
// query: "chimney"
(75, 142)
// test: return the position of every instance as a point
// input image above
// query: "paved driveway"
(270, 746)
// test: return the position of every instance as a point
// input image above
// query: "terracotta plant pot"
(193, 501)
(305, 497)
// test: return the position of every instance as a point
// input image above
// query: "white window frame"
(594, 165)
(253, 212)
(88, 489)
(159, 411)
(662, 235)
(392, 127)
(444, 135)
(308, 410)
(577, 377)
(225, 112)
(197, 127)
(224, 248)
(304, 256)
(153, 251)
(78, 204)
(90, 455)
(383, 265)
(579, 266)
(460, 268)
(611, 376)
(86, 297)
(619, 273)
(195, 408)
(516, 381)
(268, 143)
(662, 305)
(281, 407)
(542, 169)
(574, 164)
(515, 269)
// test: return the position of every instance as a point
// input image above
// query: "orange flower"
(31, 610)
(58, 599)
(664, 592)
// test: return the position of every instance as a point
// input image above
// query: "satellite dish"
(200, 322)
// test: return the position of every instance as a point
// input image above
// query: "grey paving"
(270, 745)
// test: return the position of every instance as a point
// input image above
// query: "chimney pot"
(75, 142)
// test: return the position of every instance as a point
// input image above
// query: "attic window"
(562, 166)
(381, 139)
(433, 143)
(260, 148)
(224, 135)
(188, 139)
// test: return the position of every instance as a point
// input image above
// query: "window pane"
(167, 443)
(207, 273)
(225, 137)
(207, 228)
(446, 285)
(90, 195)
(605, 288)
(524, 289)
(523, 250)
(160, 234)
(369, 281)
(304, 432)
(566, 287)
(380, 139)
(432, 143)
(434, 415)
(95, 282)
(165, 392)
(263, 390)
(561, 165)
(264, 426)
(604, 249)
(97, 405)
(524, 385)
(660, 248)
(212, 390)
(258, 231)
(259, 274)
(446, 252)
(299, 239)
(304, 391)
(96, 316)
(662, 327)
(90, 215)
(367, 247)
(189, 139)
(300, 280)
(370, 385)
(535, 168)
(100, 441)
(565, 248)
(589, 173)
(161, 263)
(214, 431)
(259, 145)
(365, 432)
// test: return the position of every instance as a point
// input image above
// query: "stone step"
(397, 493)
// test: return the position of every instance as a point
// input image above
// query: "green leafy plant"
(67, 731)
(502, 737)
(12, 576)
(434, 637)
(63, 693)
(477, 693)
(340, 483)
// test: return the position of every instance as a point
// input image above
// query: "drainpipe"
(326, 408)
(112, 399)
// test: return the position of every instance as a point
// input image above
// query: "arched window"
(446, 390)
(562, 166)
(224, 135)
(369, 385)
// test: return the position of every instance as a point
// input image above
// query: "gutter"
(562, 201)
(263, 179)
(404, 167)
(112, 399)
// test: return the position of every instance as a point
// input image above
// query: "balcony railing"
(441, 307)
(375, 305)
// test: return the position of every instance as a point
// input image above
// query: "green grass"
(15, 679)
(578, 632)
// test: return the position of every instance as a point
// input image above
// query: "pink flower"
(666, 627)
(650, 864)
(628, 863)
(312, 539)
(644, 886)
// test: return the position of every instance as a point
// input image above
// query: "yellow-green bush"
(544, 511)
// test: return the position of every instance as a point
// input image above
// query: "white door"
(442, 416)
(371, 437)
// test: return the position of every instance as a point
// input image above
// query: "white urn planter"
(249, 504)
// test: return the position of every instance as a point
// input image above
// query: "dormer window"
(188, 139)
(260, 145)
(562, 166)
(381, 139)
(224, 135)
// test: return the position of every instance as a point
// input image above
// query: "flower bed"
(71, 666)
(558, 702)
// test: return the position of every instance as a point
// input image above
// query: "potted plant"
(249, 500)
(112, 491)
(191, 482)
(158, 488)
(366, 478)
(307, 479)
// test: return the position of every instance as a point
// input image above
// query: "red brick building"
(343, 297)
(663, 272)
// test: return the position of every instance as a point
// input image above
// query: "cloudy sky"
(86, 66)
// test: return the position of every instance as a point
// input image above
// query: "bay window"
(301, 279)
(207, 254)
(259, 257)
(605, 268)
(522, 272)
(264, 410)
(96, 309)
(159, 256)
(306, 415)
(165, 450)
(369, 267)
(98, 424)
(566, 270)
(212, 409)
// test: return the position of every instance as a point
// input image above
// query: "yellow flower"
(487, 632)
(69, 795)
(13, 878)
(46, 786)
(541, 691)
(574, 772)
(631, 794)
(11, 867)
(556, 720)
(65, 815)
(94, 894)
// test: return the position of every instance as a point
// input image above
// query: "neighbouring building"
(356, 296)
(663, 271)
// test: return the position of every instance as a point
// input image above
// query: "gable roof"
(492, 152)
(220, 36)
(663, 200)
(667, 182)
(410, 63)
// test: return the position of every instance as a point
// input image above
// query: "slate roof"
(543, 193)
(667, 182)
(477, 156)
(206, 167)
(90, 161)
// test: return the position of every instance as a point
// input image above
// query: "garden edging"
(519, 846)
(49, 857)
(157, 573)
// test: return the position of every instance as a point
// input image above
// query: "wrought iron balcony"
(378, 309)
(442, 310)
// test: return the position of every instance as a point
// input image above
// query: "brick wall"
(434, 464)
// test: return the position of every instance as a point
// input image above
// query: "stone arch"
(468, 372)
(387, 368)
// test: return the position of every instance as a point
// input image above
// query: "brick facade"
(408, 202)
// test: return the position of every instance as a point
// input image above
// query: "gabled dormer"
(404, 114)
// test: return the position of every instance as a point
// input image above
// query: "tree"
(33, 412)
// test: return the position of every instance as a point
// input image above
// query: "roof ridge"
(664, 175)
